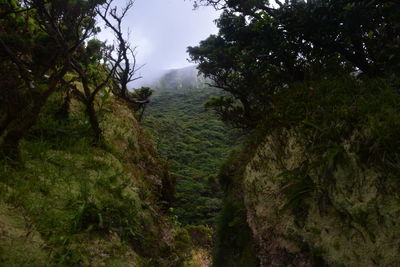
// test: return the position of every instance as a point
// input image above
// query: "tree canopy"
(49, 46)
(262, 48)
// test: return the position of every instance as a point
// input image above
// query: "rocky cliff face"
(340, 212)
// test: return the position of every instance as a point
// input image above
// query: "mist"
(161, 31)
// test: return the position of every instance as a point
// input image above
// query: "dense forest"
(194, 142)
(286, 143)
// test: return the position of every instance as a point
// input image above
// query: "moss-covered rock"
(350, 220)
(319, 185)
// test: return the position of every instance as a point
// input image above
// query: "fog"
(162, 30)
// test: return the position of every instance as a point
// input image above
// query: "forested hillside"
(193, 141)
(286, 144)
(80, 181)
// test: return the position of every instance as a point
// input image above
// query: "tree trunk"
(63, 113)
(9, 144)
(142, 112)
(5, 122)
(15, 131)
(15, 126)
(94, 122)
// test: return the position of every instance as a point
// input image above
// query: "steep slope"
(318, 185)
(73, 203)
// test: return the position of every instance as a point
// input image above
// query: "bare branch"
(124, 63)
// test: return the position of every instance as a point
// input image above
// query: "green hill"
(193, 140)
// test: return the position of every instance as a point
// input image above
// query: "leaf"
(349, 6)
(331, 156)
(101, 220)
(312, 124)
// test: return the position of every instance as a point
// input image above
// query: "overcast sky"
(163, 29)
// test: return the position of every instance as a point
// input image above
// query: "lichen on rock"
(348, 218)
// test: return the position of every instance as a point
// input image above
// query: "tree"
(123, 60)
(141, 96)
(365, 33)
(30, 71)
(94, 75)
(250, 61)
(262, 48)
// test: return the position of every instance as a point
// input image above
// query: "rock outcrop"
(340, 212)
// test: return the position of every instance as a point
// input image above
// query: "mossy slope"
(75, 203)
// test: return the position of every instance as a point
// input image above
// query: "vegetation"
(42, 42)
(261, 49)
(30, 71)
(194, 142)
(77, 204)
(234, 249)
(80, 181)
(314, 83)
(323, 73)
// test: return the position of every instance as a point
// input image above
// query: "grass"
(89, 205)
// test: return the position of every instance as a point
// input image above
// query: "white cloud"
(163, 29)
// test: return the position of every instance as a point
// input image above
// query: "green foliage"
(337, 108)
(143, 93)
(234, 249)
(95, 50)
(195, 143)
(90, 205)
(39, 41)
(323, 71)
(261, 49)
(327, 114)
(298, 188)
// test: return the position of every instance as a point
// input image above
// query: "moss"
(335, 161)
(320, 179)
(20, 243)
(199, 258)
(234, 244)
(89, 205)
